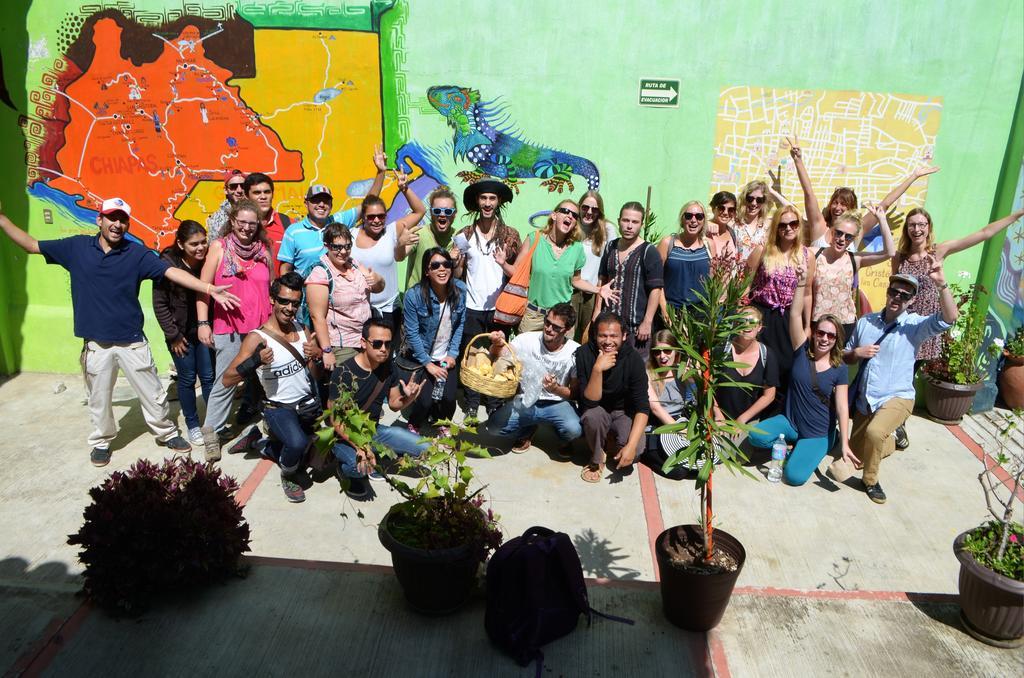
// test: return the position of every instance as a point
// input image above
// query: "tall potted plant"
(992, 555)
(699, 564)
(1011, 376)
(952, 379)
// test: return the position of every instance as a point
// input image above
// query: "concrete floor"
(833, 584)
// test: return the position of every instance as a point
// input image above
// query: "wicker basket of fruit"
(499, 379)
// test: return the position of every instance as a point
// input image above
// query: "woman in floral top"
(775, 282)
(752, 225)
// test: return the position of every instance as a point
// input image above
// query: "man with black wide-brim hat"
(484, 246)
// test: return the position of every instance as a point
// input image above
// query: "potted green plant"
(441, 534)
(1011, 376)
(992, 555)
(157, 530)
(699, 564)
(951, 380)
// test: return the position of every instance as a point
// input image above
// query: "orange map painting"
(138, 132)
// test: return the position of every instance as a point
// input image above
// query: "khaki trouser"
(100, 362)
(871, 438)
(533, 321)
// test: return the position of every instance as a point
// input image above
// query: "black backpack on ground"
(535, 594)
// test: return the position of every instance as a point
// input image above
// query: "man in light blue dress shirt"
(882, 393)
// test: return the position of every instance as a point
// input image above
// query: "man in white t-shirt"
(547, 386)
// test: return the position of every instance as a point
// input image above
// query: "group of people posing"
(292, 313)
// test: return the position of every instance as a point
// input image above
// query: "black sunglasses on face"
(699, 216)
(726, 210)
(340, 247)
(902, 295)
(825, 334)
(556, 328)
(236, 187)
(789, 225)
(442, 211)
(569, 212)
(434, 265)
(294, 303)
(842, 235)
(374, 217)
(378, 343)
(662, 350)
(588, 209)
(755, 199)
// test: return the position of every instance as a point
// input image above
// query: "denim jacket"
(421, 327)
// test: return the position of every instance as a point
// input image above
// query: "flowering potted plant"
(1011, 376)
(992, 555)
(699, 564)
(952, 379)
(442, 533)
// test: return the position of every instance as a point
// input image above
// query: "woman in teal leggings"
(816, 399)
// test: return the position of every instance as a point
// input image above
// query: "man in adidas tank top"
(273, 352)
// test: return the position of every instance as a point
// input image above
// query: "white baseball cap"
(115, 205)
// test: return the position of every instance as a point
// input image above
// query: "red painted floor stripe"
(716, 655)
(652, 511)
(250, 484)
(998, 471)
(59, 637)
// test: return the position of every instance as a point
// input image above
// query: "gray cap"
(905, 278)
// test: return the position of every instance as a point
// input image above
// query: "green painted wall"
(568, 73)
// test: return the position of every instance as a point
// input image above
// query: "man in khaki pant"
(106, 272)
(882, 393)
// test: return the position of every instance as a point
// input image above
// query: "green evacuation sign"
(659, 92)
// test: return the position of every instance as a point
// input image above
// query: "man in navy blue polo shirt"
(106, 272)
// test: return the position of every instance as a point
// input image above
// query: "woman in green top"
(442, 218)
(556, 265)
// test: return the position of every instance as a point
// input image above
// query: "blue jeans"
(196, 363)
(520, 423)
(402, 441)
(289, 439)
(807, 452)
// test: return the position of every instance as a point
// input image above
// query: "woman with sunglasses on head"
(338, 293)
(597, 233)
(175, 309)
(817, 397)
(434, 313)
(751, 227)
(721, 227)
(836, 268)
(241, 258)
(687, 258)
(761, 371)
(380, 246)
(918, 251)
(668, 396)
(843, 199)
(775, 283)
(556, 267)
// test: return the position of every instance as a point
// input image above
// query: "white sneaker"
(195, 435)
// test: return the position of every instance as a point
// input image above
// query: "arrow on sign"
(669, 93)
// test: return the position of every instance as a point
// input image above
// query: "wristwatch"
(326, 349)
(944, 286)
(203, 322)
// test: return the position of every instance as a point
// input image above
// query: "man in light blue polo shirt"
(303, 243)
(883, 390)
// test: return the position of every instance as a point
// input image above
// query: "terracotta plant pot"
(694, 601)
(435, 582)
(947, 403)
(992, 606)
(1011, 380)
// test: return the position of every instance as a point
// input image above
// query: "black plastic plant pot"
(435, 582)
(991, 605)
(696, 601)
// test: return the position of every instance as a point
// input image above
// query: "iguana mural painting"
(502, 152)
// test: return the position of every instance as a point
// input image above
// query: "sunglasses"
(568, 212)
(693, 216)
(442, 211)
(236, 187)
(825, 334)
(340, 247)
(789, 225)
(902, 295)
(556, 328)
(591, 210)
(374, 217)
(843, 235)
(294, 303)
(756, 200)
(726, 210)
(656, 351)
(243, 222)
(434, 265)
(378, 343)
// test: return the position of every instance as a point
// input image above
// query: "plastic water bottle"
(779, 450)
(438, 391)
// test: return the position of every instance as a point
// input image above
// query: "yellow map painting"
(867, 141)
(320, 91)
